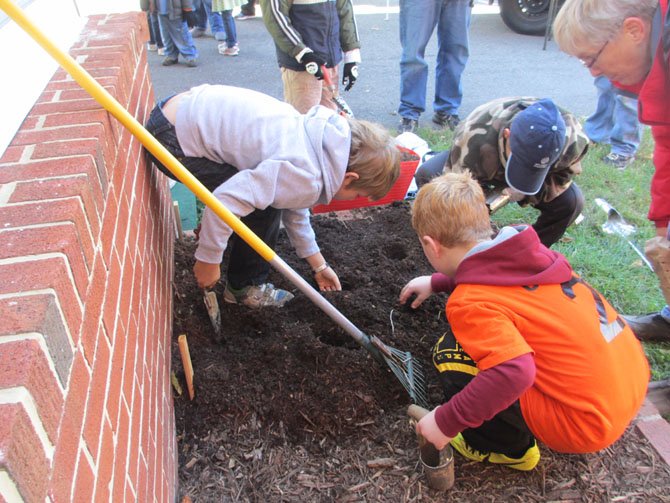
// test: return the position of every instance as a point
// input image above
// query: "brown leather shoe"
(649, 327)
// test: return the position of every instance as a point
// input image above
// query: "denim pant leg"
(452, 55)
(598, 125)
(507, 432)
(229, 27)
(177, 39)
(627, 132)
(557, 215)
(215, 20)
(200, 14)
(417, 23)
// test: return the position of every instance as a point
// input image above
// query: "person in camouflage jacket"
(481, 147)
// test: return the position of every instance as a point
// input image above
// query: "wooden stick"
(186, 362)
(177, 220)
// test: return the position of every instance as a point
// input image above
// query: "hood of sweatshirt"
(514, 258)
(329, 135)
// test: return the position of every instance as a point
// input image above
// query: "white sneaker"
(152, 47)
(229, 51)
(161, 51)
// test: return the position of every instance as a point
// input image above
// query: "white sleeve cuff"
(353, 56)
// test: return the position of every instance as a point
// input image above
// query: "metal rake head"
(407, 370)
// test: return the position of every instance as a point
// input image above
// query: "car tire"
(527, 17)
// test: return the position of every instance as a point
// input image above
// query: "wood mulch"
(290, 408)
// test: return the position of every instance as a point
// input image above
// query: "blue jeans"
(154, 29)
(245, 266)
(231, 30)
(418, 19)
(176, 38)
(203, 10)
(615, 120)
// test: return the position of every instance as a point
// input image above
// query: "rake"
(401, 363)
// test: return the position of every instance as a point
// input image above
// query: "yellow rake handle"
(84, 79)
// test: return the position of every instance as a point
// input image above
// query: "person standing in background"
(309, 35)
(224, 8)
(155, 39)
(418, 19)
(614, 122)
(175, 17)
(205, 13)
(247, 11)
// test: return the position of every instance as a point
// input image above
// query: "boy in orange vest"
(534, 352)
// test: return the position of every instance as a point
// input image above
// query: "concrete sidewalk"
(502, 63)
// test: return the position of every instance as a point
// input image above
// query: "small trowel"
(212, 305)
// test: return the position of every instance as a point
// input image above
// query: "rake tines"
(406, 369)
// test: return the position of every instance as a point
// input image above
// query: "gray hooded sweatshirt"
(286, 160)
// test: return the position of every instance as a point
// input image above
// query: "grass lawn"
(607, 262)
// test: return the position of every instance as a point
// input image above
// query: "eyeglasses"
(589, 63)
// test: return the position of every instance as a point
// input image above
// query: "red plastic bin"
(397, 192)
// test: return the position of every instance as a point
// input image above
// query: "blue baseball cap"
(536, 141)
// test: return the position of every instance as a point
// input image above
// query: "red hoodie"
(541, 335)
(654, 109)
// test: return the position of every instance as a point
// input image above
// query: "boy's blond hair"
(452, 210)
(374, 156)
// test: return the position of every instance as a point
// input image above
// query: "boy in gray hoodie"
(266, 162)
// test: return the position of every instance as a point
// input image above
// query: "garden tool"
(212, 305)
(401, 363)
(617, 225)
(437, 465)
(342, 106)
(658, 251)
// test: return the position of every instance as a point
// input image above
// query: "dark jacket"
(327, 27)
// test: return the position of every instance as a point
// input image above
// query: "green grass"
(607, 262)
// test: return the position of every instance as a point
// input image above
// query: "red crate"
(397, 192)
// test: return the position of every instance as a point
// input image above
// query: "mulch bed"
(291, 408)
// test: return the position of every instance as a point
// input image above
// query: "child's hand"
(418, 286)
(207, 275)
(328, 280)
(428, 428)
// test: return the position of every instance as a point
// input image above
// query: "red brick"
(134, 447)
(23, 363)
(110, 221)
(67, 449)
(59, 84)
(120, 455)
(66, 148)
(84, 483)
(130, 359)
(45, 97)
(57, 188)
(110, 308)
(105, 463)
(42, 273)
(58, 210)
(93, 300)
(23, 456)
(57, 238)
(95, 406)
(55, 107)
(65, 133)
(11, 154)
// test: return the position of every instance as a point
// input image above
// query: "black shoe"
(408, 125)
(170, 60)
(649, 327)
(449, 120)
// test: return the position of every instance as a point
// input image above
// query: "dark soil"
(290, 408)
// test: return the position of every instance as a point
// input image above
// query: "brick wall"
(86, 411)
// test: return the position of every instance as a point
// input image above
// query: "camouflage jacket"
(479, 146)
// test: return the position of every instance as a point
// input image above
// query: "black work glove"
(190, 18)
(313, 63)
(350, 75)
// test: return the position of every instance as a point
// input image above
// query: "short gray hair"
(582, 23)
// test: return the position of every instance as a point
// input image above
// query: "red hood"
(520, 260)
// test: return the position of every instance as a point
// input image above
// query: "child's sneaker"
(265, 295)
(152, 47)
(525, 463)
(229, 51)
(161, 51)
